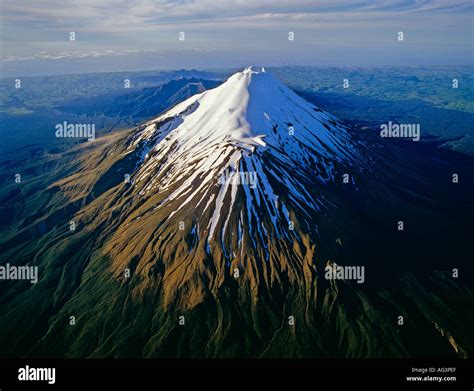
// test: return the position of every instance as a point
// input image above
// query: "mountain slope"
(247, 158)
(239, 254)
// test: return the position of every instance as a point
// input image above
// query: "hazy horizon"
(145, 35)
(55, 71)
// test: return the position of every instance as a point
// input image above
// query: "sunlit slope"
(160, 233)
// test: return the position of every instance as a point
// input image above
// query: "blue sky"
(144, 34)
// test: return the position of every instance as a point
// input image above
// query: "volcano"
(232, 175)
(206, 232)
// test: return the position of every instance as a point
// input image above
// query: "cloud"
(114, 16)
(117, 27)
(78, 54)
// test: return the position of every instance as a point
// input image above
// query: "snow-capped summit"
(252, 108)
(249, 151)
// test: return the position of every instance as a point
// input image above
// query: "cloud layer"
(38, 29)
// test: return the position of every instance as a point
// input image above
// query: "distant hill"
(141, 104)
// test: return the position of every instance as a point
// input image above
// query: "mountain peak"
(239, 145)
(252, 108)
(253, 70)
